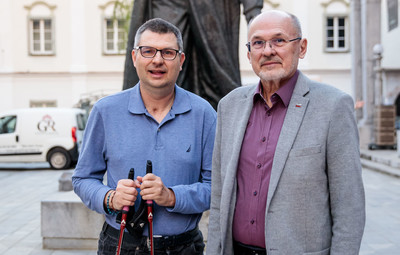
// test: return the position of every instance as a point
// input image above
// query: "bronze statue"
(210, 30)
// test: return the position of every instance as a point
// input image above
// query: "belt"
(160, 242)
(244, 249)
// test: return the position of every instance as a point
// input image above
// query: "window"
(336, 34)
(81, 119)
(42, 103)
(336, 25)
(7, 124)
(115, 36)
(41, 35)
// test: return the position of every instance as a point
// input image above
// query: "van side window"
(8, 124)
(81, 119)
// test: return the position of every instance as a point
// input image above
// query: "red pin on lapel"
(298, 105)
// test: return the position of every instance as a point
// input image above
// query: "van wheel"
(59, 159)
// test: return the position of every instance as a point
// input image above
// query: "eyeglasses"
(150, 52)
(273, 43)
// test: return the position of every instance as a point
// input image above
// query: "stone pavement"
(22, 191)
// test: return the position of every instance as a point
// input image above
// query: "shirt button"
(255, 193)
(252, 221)
(158, 130)
(263, 139)
(269, 114)
(258, 165)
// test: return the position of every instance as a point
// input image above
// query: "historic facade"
(61, 53)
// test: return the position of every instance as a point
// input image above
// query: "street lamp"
(378, 50)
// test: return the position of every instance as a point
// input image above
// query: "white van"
(42, 134)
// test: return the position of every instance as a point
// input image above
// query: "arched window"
(41, 28)
(116, 20)
(336, 14)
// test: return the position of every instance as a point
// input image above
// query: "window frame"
(116, 31)
(336, 37)
(42, 36)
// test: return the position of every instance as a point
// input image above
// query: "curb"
(386, 162)
(380, 167)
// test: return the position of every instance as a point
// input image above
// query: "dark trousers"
(244, 249)
(109, 236)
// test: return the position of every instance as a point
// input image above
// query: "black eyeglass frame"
(265, 42)
(157, 50)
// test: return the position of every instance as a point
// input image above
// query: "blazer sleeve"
(346, 189)
(214, 239)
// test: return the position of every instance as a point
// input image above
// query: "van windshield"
(81, 119)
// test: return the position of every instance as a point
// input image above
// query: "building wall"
(390, 40)
(390, 56)
(79, 67)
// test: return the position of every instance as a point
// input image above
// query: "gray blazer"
(316, 202)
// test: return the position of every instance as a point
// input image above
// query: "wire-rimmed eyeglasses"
(150, 52)
(273, 43)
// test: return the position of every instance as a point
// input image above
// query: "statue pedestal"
(66, 223)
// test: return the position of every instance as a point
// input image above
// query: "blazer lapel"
(293, 119)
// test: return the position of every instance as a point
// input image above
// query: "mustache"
(267, 59)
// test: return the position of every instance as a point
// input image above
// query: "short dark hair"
(160, 26)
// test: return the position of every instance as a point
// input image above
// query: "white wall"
(390, 40)
(79, 66)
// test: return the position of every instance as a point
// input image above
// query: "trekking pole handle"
(131, 176)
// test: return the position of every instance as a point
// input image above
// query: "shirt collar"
(284, 92)
(181, 103)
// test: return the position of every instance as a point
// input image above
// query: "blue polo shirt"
(121, 134)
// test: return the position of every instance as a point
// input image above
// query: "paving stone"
(23, 191)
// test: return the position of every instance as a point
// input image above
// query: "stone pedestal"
(65, 181)
(66, 223)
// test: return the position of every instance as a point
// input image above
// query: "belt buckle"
(168, 241)
(158, 241)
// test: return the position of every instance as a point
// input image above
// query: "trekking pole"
(125, 211)
(149, 169)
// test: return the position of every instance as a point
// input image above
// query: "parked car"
(42, 134)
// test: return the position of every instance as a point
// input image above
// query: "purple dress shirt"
(255, 163)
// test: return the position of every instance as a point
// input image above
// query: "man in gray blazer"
(286, 175)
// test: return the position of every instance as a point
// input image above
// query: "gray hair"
(296, 24)
(159, 26)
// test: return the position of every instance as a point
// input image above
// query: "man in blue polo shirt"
(155, 120)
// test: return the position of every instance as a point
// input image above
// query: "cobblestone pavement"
(22, 190)
(382, 230)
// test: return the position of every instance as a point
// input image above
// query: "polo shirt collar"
(181, 104)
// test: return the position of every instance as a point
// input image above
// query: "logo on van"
(46, 124)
